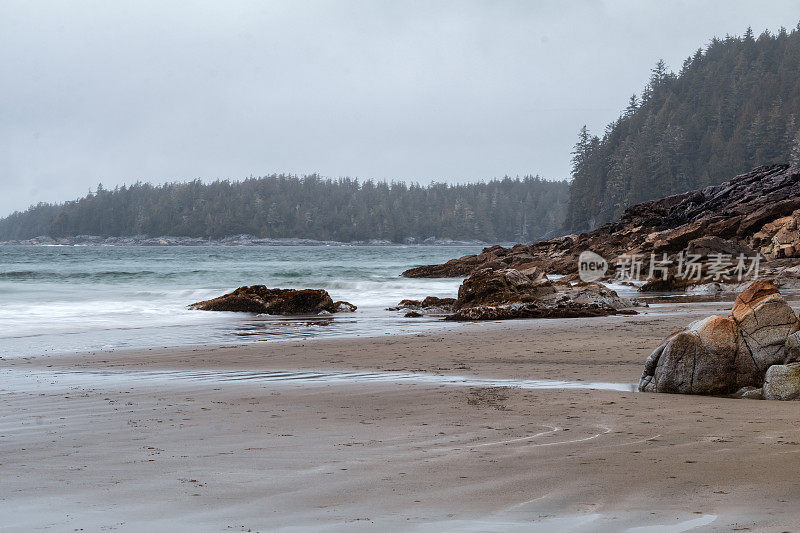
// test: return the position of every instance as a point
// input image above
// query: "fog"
(116, 92)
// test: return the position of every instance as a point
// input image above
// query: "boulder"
(765, 321)
(700, 359)
(719, 355)
(782, 382)
(260, 299)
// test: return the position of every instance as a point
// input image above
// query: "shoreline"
(170, 241)
(218, 453)
(433, 325)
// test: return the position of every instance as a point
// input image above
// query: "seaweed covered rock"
(263, 300)
(535, 310)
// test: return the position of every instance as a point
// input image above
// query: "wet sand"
(193, 439)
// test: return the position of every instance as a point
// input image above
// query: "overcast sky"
(115, 92)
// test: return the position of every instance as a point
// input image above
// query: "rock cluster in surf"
(490, 294)
(263, 300)
(749, 351)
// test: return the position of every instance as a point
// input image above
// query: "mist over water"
(56, 299)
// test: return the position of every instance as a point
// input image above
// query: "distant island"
(285, 208)
(733, 106)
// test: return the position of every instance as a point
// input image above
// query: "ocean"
(62, 299)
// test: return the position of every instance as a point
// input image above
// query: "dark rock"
(429, 301)
(671, 284)
(455, 268)
(430, 304)
(344, 307)
(433, 301)
(237, 303)
(260, 299)
(412, 314)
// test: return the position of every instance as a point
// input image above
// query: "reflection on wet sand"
(17, 379)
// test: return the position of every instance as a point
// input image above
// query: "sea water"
(58, 299)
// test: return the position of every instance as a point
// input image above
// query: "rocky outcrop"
(711, 244)
(720, 355)
(454, 268)
(754, 212)
(495, 257)
(506, 286)
(509, 293)
(262, 300)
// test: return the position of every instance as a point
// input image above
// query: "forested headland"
(732, 107)
(310, 207)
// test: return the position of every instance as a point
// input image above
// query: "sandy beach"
(360, 433)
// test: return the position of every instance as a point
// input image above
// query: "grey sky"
(114, 92)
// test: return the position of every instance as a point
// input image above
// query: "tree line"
(309, 207)
(732, 107)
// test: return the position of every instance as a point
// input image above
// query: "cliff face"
(754, 212)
